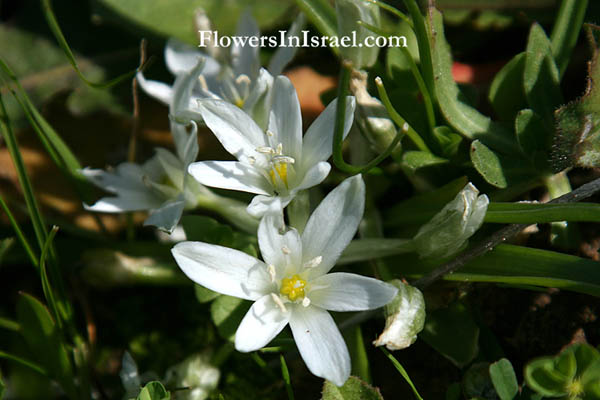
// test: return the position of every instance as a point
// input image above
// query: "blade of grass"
(9, 324)
(24, 362)
(392, 10)
(24, 242)
(13, 148)
(286, 378)
(402, 371)
(62, 42)
(47, 289)
(532, 213)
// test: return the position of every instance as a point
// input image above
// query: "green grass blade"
(322, 15)
(402, 371)
(13, 148)
(62, 42)
(47, 289)
(9, 324)
(24, 362)
(286, 377)
(531, 213)
(24, 242)
(518, 265)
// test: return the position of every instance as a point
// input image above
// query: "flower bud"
(449, 230)
(348, 13)
(405, 317)
(371, 115)
(195, 373)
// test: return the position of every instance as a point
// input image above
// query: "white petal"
(245, 58)
(285, 119)
(230, 175)
(315, 175)
(158, 90)
(320, 343)
(223, 270)
(186, 143)
(181, 58)
(283, 250)
(167, 216)
(283, 55)
(318, 140)
(135, 201)
(262, 205)
(126, 177)
(350, 292)
(333, 224)
(260, 325)
(258, 103)
(236, 131)
(172, 166)
(183, 107)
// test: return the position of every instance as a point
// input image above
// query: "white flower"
(234, 76)
(292, 285)
(275, 163)
(160, 185)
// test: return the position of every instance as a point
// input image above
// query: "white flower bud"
(348, 13)
(195, 373)
(405, 317)
(449, 230)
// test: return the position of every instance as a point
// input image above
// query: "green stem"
(393, 10)
(30, 253)
(22, 361)
(232, 210)
(338, 138)
(9, 324)
(402, 371)
(397, 118)
(286, 378)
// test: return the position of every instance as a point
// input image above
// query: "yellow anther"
(239, 103)
(293, 287)
(282, 170)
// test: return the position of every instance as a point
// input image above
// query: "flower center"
(293, 287)
(281, 169)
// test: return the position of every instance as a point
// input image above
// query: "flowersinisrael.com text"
(212, 38)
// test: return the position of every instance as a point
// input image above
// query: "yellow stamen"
(293, 287)
(282, 170)
(239, 103)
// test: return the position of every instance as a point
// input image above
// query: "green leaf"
(425, 46)
(422, 207)
(286, 377)
(498, 169)
(154, 391)
(448, 140)
(462, 117)
(541, 376)
(506, 90)
(540, 76)
(477, 383)
(204, 295)
(519, 265)
(453, 333)
(504, 379)
(353, 389)
(531, 134)
(577, 141)
(419, 159)
(566, 30)
(26, 363)
(45, 341)
(531, 213)
(227, 313)
(204, 229)
(2, 387)
(370, 248)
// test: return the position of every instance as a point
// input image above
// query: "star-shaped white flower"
(160, 185)
(275, 163)
(293, 285)
(234, 75)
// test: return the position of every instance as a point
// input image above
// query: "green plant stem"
(22, 361)
(581, 193)
(338, 138)
(232, 210)
(414, 69)
(397, 118)
(393, 10)
(423, 42)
